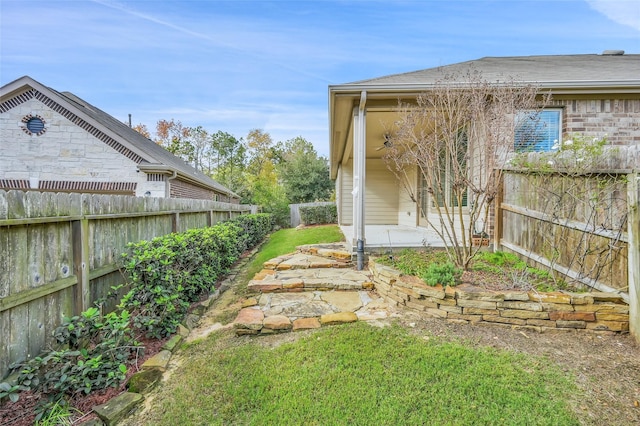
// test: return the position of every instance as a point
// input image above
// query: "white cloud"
(625, 12)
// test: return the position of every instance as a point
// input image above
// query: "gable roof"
(600, 75)
(548, 71)
(149, 155)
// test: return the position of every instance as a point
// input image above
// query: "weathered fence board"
(633, 196)
(587, 228)
(58, 254)
(571, 224)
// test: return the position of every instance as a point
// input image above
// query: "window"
(445, 187)
(538, 130)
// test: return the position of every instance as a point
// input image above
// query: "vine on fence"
(582, 201)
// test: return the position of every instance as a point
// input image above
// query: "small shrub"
(93, 353)
(445, 274)
(54, 413)
(415, 262)
(319, 215)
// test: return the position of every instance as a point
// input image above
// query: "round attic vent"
(33, 125)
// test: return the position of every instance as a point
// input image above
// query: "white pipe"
(360, 145)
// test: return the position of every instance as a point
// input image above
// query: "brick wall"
(619, 119)
(182, 189)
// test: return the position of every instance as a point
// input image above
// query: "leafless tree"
(454, 139)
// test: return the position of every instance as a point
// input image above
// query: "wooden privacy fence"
(58, 254)
(294, 210)
(585, 227)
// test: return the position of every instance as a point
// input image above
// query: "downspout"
(360, 148)
(167, 189)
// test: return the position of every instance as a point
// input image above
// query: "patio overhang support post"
(359, 168)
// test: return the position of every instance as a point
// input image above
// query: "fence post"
(80, 246)
(497, 219)
(633, 226)
(175, 222)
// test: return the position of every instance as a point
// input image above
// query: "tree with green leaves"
(227, 159)
(262, 176)
(304, 174)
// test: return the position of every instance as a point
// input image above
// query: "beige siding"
(381, 199)
(407, 209)
(346, 198)
(63, 152)
(381, 195)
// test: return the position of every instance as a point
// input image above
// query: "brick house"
(594, 95)
(55, 141)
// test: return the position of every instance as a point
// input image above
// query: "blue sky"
(238, 65)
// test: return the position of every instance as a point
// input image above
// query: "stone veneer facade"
(528, 310)
(65, 152)
(71, 155)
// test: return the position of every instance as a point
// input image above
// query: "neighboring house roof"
(150, 156)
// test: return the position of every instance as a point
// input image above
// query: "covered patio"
(382, 238)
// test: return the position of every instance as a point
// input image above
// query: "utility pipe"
(360, 149)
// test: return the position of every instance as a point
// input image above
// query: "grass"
(286, 240)
(497, 267)
(280, 242)
(361, 375)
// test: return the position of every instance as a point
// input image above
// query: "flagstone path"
(313, 287)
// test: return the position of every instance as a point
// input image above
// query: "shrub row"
(317, 215)
(167, 273)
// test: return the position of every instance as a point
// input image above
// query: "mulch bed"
(22, 412)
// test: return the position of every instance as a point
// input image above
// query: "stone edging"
(538, 311)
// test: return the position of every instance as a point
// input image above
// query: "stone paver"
(314, 308)
(343, 301)
(159, 361)
(277, 322)
(118, 408)
(249, 318)
(316, 286)
(338, 318)
(306, 324)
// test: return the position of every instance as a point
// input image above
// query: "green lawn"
(286, 240)
(358, 374)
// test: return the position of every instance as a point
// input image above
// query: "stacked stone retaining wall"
(539, 311)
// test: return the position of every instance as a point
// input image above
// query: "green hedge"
(170, 272)
(317, 215)
(166, 274)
